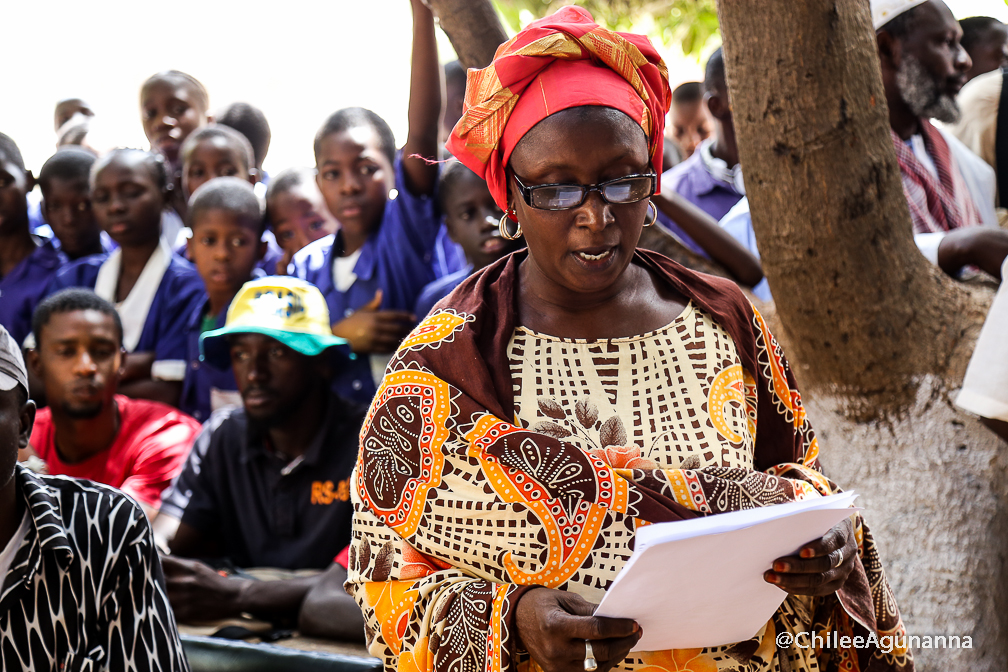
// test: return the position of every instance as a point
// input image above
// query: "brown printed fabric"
(466, 496)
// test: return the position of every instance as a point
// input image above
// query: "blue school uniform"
(397, 258)
(202, 379)
(439, 289)
(24, 287)
(164, 330)
(449, 257)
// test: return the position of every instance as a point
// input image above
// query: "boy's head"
(471, 215)
(66, 200)
(172, 105)
(354, 157)
(985, 39)
(296, 210)
(689, 119)
(250, 122)
(227, 225)
(455, 84)
(71, 119)
(716, 96)
(78, 352)
(215, 151)
(15, 183)
(129, 189)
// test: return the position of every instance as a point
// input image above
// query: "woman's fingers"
(821, 567)
(610, 652)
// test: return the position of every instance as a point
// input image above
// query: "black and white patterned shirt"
(85, 590)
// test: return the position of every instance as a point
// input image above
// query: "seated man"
(82, 585)
(949, 189)
(267, 484)
(89, 431)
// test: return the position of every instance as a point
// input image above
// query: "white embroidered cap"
(12, 367)
(884, 11)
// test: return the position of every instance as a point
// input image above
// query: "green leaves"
(689, 24)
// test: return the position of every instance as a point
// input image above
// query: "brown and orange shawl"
(458, 510)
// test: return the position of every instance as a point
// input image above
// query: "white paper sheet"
(699, 583)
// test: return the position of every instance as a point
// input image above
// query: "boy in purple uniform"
(471, 218)
(66, 204)
(27, 262)
(152, 288)
(373, 268)
(227, 225)
(711, 179)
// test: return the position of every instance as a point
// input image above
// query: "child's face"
(355, 178)
(472, 218)
(691, 125)
(127, 200)
(225, 249)
(299, 217)
(170, 112)
(66, 205)
(14, 187)
(210, 158)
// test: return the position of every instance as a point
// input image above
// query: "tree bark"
(865, 311)
(473, 28)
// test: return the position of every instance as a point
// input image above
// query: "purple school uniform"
(164, 331)
(24, 287)
(201, 377)
(439, 289)
(449, 258)
(396, 258)
(691, 180)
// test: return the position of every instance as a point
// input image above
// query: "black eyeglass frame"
(586, 189)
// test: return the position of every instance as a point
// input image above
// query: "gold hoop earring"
(503, 227)
(652, 215)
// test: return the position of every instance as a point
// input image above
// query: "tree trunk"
(864, 309)
(879, 336)
(473, 28)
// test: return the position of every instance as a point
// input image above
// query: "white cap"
(12, 367)
(884, 11)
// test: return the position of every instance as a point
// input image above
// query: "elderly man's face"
(933, 64)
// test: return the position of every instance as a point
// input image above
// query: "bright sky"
(297, 63)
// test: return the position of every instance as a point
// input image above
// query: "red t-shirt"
(150, 449)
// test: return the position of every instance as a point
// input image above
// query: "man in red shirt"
(89, 431)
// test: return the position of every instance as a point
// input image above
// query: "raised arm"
(705, 230)
(424, 104)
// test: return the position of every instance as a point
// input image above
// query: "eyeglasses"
(629, 189)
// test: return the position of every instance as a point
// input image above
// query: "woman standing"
(569, 394)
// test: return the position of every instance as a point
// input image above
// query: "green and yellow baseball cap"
(292, 311)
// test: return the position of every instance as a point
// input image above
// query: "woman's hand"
(814, 570)
(554, 624)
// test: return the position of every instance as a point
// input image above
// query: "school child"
(215, 151)
(296, 213)
(66, 204)
(226, 221)
(152, 288)
(220, 151)
(373, 268)
(472, 219)
(173, 104)
(27, 261)
(250, 122)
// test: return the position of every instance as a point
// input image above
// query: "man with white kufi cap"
(949, 189)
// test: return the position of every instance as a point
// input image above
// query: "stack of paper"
(699, 583)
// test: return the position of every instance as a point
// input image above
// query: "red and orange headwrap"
(562, 61)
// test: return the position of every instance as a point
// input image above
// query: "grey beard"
(919, 91)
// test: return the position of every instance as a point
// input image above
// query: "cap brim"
(214, 347)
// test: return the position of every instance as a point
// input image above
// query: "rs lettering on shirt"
(324, 492)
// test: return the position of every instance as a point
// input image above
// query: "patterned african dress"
(495, 459)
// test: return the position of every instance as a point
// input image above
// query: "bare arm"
(979, 246)
(137, 383)
(329, 612)
(198, 593)
(424, 104)
(705, 230)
